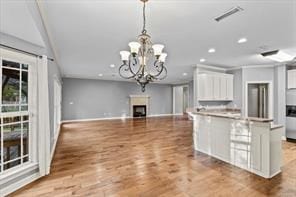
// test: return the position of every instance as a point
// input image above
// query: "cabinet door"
(220, 136)
(291, 79)
(229, 87)
(201, 87)
(223, 87)
(203, 134)
(256, 150)
(209, 88)
(216, 88)
(205, 87)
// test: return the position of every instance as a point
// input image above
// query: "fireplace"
(139, 105)
(139, 111)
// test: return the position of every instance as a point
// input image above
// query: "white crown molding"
(210, 67)
(256, 66)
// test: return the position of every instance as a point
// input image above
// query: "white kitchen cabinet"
(229, 87)
(291, 79)
(215, 87)
(205, 87)
(255, 146)
(223, 87)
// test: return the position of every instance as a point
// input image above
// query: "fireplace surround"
(139, 105)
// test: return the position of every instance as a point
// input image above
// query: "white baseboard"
(116, 118)
(95, 119)
(159, 115)
(56, 137)
(178, 114)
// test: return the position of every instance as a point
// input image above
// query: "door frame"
(21, 170)
(270, 96)
(174, 99)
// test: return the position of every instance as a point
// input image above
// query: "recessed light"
(212, 50)
(242, 40)
(202, 60)
(112, 66)
(185, 74)
(100, 75)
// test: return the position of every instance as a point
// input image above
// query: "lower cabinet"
(253, 146)
(220, 136)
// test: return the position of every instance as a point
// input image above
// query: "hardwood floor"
(149, 157)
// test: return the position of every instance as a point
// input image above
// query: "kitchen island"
(253, 144)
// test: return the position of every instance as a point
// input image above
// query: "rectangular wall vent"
(229, 13)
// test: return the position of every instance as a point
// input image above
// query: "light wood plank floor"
(149, 157)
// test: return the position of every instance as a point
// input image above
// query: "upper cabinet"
(291, 79)
(214, 87)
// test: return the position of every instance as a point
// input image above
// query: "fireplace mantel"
(139, 100)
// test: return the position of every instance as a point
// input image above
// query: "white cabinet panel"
(223, 88)
(256, 151)
(221, 136)
(291, 79)
(209, 87)
(216, 87)
(201, 87)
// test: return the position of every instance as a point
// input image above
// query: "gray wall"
(87, 98)
(237, 88)
(280, 95)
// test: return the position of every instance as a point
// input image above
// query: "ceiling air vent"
(229, 13)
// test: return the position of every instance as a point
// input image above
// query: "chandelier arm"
(130, 68)
(165, 75)
(125, 69)
(163, 70)
(159, 71)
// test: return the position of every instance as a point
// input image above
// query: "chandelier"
(144, 63)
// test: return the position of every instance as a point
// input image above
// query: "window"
(14, 109)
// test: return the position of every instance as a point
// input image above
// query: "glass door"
(16, 134)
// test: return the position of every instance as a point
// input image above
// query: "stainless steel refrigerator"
(258, 100)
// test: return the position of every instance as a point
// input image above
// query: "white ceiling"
(16, 20)
(89, 34)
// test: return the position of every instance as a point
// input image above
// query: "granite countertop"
(231, 115)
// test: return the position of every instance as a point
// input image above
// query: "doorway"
(180, 99)
(259, 100)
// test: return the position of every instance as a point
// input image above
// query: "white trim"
(210, 67)
(258, 66)
(270, 97)
(255, 66)
(13, 187)
(43, 117)
(17, 171)
(178, 114)
(160, 115)
(115, 118)
(56, 137)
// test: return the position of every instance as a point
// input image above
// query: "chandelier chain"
(144, 31)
